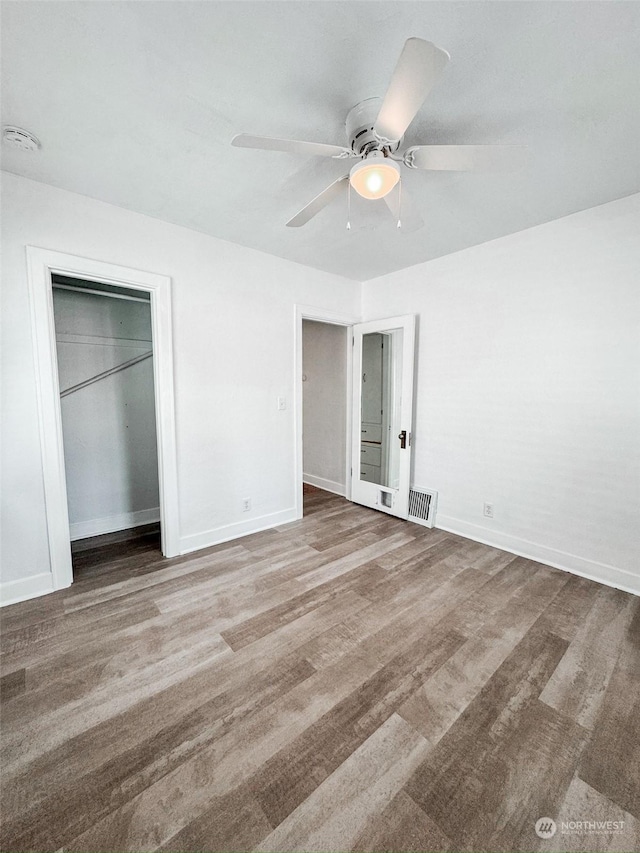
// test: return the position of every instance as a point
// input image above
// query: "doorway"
(104, 348)
(324, 406)
(43, 266)
(328, 374)
(385, 484)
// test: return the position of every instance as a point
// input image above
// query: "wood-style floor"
(346, 682)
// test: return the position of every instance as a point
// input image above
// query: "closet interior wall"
(108, 424)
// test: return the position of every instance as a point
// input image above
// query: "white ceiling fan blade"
(291, 146)
(420, 65)
(320, 201)
(465, 158)
(403, 209)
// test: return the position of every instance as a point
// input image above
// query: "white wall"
(528, 388)
(109, 427)
(324, 364)
(233, 312)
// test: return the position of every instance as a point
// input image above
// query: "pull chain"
(349, 207)
(399, 225)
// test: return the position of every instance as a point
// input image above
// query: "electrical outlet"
(488, 510)
(246, 505)
(282, 404)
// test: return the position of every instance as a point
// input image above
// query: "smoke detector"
(19, 138)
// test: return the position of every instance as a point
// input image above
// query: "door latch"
(403, 439)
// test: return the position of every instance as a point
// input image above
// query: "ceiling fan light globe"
(374, 177)
(374, 181)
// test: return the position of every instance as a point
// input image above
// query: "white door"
(383, 356)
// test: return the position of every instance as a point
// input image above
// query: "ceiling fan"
(375, 133)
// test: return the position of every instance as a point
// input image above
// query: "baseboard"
(11, 592)
(234, 531)
(98, 526)
(327, 485)
(600, 572)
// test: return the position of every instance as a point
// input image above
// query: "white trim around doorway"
(41, 264)
(320, 315)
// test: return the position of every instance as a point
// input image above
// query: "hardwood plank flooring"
(349, 681)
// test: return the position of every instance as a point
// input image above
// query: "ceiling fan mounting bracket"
(361, 137)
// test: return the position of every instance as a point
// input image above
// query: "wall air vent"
(422, 506)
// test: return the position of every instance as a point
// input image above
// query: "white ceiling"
(135, 103)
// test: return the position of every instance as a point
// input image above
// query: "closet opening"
(104, 347)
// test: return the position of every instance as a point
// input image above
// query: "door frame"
(41, 264)
(320, 315)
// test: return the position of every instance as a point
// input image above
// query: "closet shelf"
(102, 341)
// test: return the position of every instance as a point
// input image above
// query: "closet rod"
(106, 373)
(100, 293)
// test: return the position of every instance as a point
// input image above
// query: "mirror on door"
(380, 408)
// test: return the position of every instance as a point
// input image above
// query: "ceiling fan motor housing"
(359, 126)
